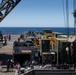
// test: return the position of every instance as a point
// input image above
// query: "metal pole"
(56, 48)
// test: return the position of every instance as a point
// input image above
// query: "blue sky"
(38, 13)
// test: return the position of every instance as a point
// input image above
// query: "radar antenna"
(71, 38)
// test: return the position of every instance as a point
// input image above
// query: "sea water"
(21, 30)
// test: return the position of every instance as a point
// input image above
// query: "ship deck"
(8, 49)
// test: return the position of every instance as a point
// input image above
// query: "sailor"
(8, 65)
(12, 64)
(0, 66)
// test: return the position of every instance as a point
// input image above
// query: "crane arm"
(6, 6)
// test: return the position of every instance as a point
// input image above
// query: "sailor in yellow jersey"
(52, 40)
(36, 42)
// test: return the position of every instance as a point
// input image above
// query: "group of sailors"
(10, 65)
(28, 63)
(5, 38)
(20, 68)
(33, 63)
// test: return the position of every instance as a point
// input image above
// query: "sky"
(38, 13)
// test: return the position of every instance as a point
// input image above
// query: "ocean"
(21, 30)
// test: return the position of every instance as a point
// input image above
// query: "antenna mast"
(6, 6)
(74, 14)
